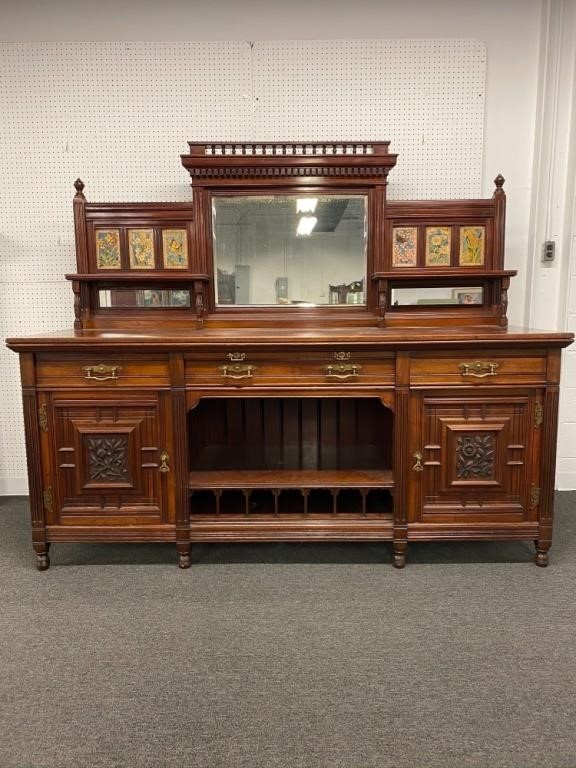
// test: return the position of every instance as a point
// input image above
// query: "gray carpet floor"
(292, 656)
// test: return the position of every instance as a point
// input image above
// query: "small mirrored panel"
(412, 297)
(289, 250)
(142, 298)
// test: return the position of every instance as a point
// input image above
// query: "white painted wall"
(552, 288)
(511, 32)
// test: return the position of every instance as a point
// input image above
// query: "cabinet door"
(473, 458)
(107, 465)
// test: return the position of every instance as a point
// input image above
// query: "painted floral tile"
(141, 248)
(404, 246)
(472, 240)
(108, 249)
(175, 248)
(438, 246)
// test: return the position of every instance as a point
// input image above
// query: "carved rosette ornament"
(475, 457)
(107, 458)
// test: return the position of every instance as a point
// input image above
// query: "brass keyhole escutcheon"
(164, 459)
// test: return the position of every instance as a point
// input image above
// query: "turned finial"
(79, 187)
(499, 181)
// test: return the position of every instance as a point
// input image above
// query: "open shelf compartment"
(291, 462)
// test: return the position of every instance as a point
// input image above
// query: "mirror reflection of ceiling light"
(306, 225)
(306, 204)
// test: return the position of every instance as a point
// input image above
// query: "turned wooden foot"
(399, 554)
(184, 559)
(42, 558)
(541, 557)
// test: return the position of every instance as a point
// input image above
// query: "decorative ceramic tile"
(108, 248)
(472, 241)
(404, 246)
(175, 248)
(141, 248)
(438, 246)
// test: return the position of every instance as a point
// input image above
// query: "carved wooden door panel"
(474, 458)
(110, 466)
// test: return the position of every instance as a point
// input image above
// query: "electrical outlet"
(549, 250)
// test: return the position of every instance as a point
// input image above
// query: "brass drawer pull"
(237, 371)
(479, 368)
(101, 372)
(164, 459)
(417, 456)
(343, 371)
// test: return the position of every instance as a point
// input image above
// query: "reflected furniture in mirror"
(291, 357)
(281, 248)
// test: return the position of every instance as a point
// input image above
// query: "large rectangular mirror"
(290, 250)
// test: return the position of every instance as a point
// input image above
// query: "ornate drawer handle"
(417, 456)
(164, 459)
(343, 371)
(237, 371)
(101, 372)
(479, 368)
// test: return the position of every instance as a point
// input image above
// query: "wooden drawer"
(99, 372)
(483, 369)
(290, 369)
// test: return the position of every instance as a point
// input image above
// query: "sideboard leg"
(541, 558)
(42, 558)
(399, 554)
(183, 549)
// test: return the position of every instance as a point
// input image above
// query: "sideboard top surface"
(390, 338)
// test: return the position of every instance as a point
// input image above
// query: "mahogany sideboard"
(357, 381)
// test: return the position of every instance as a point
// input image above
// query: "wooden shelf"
(290, 479)
(460, 274)
(138, 276)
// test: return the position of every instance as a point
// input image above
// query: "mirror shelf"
(290, 233)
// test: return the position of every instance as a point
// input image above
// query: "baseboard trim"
(14, 486)
(566, 481)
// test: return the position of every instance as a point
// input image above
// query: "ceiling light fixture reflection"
(306, 204)
(306, 225)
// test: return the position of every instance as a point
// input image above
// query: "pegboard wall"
(118, 115)
(425, 96)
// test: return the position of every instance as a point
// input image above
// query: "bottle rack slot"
(289, 503)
